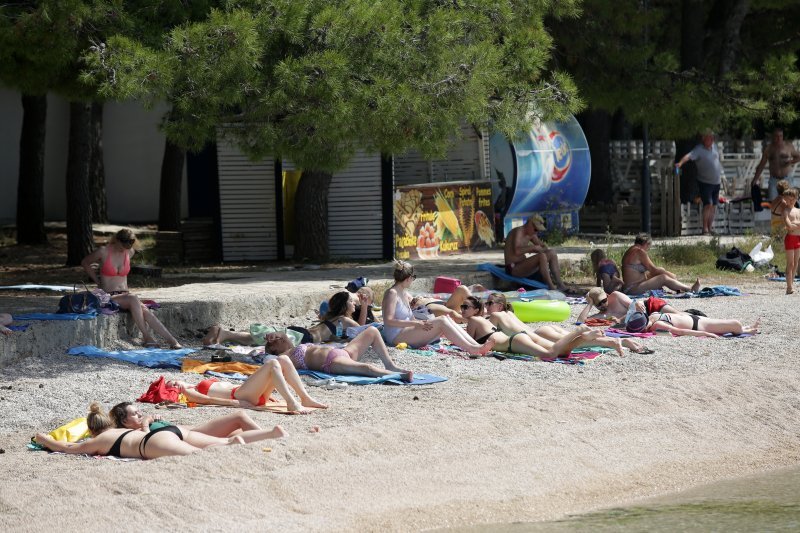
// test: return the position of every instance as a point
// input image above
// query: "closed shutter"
(247, 206)
(464, 161)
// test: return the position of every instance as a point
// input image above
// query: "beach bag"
(356, 284)
(755, 194)
(735, 259)
(445, 284)
(81, 303)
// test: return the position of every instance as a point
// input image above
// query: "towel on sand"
(419, 379)
(147, 357)
(233, 367)
(57, 288)
(56, 316)
(499, 272)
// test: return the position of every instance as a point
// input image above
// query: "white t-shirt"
(709, 166)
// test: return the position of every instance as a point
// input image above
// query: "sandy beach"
(501, 441)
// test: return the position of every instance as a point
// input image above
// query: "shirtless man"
(524, 240)
(616, 305)
(782, 156)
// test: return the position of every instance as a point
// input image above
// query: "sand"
(501, 441)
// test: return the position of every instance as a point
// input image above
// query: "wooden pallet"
(741, 217)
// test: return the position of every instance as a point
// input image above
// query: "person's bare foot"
(295, 408)
(5, 331)
(486, 348)
(407, 376)
(696, 285)
(632, 345)
(276, 433)
(618, 347)
(311, 402)
(789, 290)
(235, 440)
(175, 346)
(212, 337)
(752, 329)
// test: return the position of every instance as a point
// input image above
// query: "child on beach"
(791, 218)
(605, 271)
(5, 320)
(776, 207)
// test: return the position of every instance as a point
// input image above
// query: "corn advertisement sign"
(442, 219)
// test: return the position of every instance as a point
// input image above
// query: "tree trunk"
(30, 189)
(692, 29)
(169, 199)
(311, 216)
(737, 11)
(97, 169)
(596, 124)
(79, 205)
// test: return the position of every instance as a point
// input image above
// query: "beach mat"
(56, 316)
(147, 357)
(500, 272)
(782, 278)
(419, 379)
(229, 369)
(56, 288)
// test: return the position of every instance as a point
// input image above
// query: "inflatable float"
(540, 310)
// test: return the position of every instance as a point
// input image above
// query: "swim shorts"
(654, 305)
(791, 242)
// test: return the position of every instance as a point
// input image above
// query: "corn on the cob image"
(466, 210)
(446, 215)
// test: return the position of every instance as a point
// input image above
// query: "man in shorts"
(709, 176)
(782, 156)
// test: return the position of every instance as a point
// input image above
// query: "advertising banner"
(442, 219)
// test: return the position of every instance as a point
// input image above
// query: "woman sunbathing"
(340, 307)
(400, 326)
(501, 315)
(332, 360)
(115, 263)
(278, 372)
(450, 307)
(108, 440)
(641, 275)
(215, 432)
(695, 326)
(519, 341)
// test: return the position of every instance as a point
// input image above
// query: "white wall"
(133, 147)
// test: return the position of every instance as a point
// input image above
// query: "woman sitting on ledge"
(115, 264)
(641, 275)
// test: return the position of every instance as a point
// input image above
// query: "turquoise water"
(765, 502)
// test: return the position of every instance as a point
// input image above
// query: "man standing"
(524, 240)
(782, 156)
(709, 176)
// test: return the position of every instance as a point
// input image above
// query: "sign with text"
(442, 219)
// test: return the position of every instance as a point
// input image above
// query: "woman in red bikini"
(115, 263)
(277, 373)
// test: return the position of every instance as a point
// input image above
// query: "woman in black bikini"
(480, 329)
(133, 443)
(695, 326)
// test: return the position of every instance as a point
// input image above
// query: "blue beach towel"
(147, 357)
(500, 272)
(57, 288)
(419, 379)
(56, 316)
(21, 327)
(781, 278)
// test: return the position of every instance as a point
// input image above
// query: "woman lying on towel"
(400, 326)
(450, 307)
(501, 316)
(520, 341)
(332, 360)
(108, 440)
(215, 432)
(692, 325)
(114, 260)
(277, 372)
(340, 308)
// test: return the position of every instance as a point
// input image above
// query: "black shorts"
(709, 194)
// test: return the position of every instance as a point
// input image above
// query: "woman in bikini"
(115, 264)
(519, 341)
(111, 441)
(501, 315)
(341, 306)
(332, 360)
(451, 307)
(641, 275)
(692, 325)
(216, 432)
(400, 326)
(277, 373)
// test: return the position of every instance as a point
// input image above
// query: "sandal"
(151, 345)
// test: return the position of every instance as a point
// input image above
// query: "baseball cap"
(538, 222)
(637, 322)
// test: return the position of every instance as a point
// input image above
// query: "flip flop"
(646, 351)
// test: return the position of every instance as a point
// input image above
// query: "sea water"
(763, 502)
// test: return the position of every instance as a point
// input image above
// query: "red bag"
(160, 392)
(443, 284)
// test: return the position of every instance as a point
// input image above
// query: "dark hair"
(597, 256)
(337, 305)
(97, 420)
(499, 297)
(476, 303)
(642, 239)
(403, 270)
(119, 414)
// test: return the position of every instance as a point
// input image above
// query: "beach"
(499, 442)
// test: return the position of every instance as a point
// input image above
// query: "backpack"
(357, 283)
(81, 303)
(734, 259)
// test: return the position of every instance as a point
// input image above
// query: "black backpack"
(735, 259)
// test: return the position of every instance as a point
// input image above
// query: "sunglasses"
(602, 303)
(127, 241)
(464, 307)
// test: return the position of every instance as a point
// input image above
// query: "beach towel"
(221, 369)
(147, 357)
(39, 448)
(500, 272)
(394, 379)
(781, 278)
(21, 327)
(56, 316)
(597, 322)
(622, 334)
(56, 288)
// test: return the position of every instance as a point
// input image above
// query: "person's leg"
(216, 335)
(200, 440)
(159, 328)
(266, 379)
(659, 282)
(460, 294)
(167, 444)
(226, 426)
(293, 379)
(791, 266)
(531, 265)
(441, 310)
(719, 326)
(131, 303)
(443, 327)
(343, 365)
(555, 333)
(371, 338)
(554, 269)
(255, 435)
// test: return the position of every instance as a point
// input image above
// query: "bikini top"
(638, 267)
(109, 270)
(115, 448)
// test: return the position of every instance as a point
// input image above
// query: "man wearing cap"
(782, 156)
(709, 176)
(524, 240)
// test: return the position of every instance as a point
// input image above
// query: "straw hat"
(595, 295)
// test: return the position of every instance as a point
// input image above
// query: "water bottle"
(339, 329)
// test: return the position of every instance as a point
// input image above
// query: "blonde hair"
(791, 192)
(369, 292)
(403, 270)
(97, 420)
(782, 186)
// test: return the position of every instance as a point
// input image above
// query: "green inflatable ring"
(541, 310)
